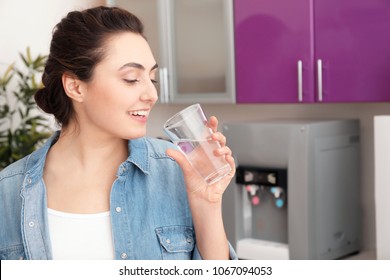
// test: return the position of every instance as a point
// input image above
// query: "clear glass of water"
(189, 131)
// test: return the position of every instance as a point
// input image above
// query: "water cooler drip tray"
(256, 249)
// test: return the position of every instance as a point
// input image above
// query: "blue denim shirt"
(149, 210)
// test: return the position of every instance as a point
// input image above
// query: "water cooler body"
(296, 190)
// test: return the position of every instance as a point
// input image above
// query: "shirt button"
(189, 240)
(118, 209)
(168, 241)
(29, 180)
(31, 224)
(123, 255)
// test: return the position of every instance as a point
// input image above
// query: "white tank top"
(80, 236)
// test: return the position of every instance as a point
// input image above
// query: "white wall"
(29, 23)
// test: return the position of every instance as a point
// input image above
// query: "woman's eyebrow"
(137, 65)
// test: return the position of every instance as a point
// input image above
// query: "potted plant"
(22, 130)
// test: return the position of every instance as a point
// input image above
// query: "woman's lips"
(139, 115)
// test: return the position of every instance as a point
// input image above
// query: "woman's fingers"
(218, 136)
(225, 150)
(213, 123)
(180, 159)
(232, 163)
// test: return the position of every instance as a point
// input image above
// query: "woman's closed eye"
(131, 81)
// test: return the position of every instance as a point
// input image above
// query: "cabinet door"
(352, 39)
(198, 50)
(271, 39)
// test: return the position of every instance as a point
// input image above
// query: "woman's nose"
(150, 93)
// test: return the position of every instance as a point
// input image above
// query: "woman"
(99, 189)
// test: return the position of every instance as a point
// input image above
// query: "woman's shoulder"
(11, 178)
(23, 165)
(16, 168)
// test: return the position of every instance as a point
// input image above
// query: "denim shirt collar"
(138, 155)
(138, 150)
(38, 157)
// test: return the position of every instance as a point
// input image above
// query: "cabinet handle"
(164, 94)
(319, 80)
(300, 91)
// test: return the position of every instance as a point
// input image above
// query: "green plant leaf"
(8, 74)
(28, 52)
(24, 59)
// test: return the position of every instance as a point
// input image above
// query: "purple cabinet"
(312, 51)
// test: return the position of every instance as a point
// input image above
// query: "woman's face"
(122, 91)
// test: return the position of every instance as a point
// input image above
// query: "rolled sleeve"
(232, 253)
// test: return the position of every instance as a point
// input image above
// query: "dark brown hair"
(77, 46)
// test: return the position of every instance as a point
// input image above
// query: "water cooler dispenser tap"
(253, 191)
(264, 183)
(278, 193)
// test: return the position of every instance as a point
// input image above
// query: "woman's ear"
(73, 87)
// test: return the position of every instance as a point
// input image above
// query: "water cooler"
(296, 190)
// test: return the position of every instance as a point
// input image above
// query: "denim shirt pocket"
(12, 253)
(177, 242)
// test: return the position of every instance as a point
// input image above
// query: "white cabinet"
(193, 43)
(382, 183)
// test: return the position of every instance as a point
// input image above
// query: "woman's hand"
(196, 186)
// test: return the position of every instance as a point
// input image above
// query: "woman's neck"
(86, 148)
(80, 170)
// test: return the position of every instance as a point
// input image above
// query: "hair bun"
(42, 99)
